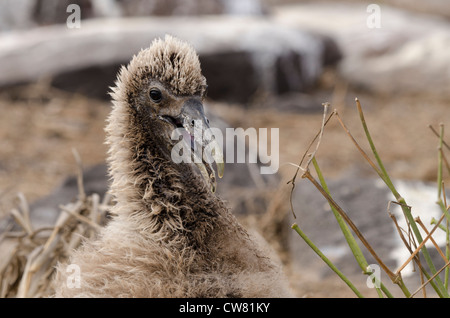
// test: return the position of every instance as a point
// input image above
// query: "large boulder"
(432, 7)
(406, 54)
(239, 55)
(24, 14)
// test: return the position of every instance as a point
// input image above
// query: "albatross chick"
(170, 234)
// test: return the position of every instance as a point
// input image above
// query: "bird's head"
(164, 89)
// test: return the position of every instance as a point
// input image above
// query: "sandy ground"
(40, 125)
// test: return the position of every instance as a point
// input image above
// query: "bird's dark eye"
(155, 95)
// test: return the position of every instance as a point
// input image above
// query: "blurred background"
(269, 64)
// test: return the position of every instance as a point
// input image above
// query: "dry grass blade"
(419, 221)
(412, 235)
(20, 219)
(75, 212)
(27, 276)
(326, 106)
(363, 153)
(80, 182)
(408, 244)
(27, 269)
(437, 134)
(318, 137)
(411, 243)
(420, 246)
(400, 231)
(392, 276)
(24, 207)
(95, 207)
(431, 278)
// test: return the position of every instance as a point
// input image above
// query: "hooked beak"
(192, 118)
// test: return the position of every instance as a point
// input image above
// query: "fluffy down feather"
(170, 236)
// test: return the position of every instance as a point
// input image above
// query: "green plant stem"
(351, 241)
(444, 210)
(442, 227)
(439, 174)
(406, 209)
(344, 228)
(441, 193)
(326, 260)
(447, 254)
(394, 277)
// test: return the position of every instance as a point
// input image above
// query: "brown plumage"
(170, 236)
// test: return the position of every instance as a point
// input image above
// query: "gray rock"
(239, 55)
(432, 7)
(45, 211)
(407, 54)
(363, 201)
(366, 202)
(25, 14)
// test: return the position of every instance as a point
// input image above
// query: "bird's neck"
(154, 190)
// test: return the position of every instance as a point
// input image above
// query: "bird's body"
(171, 236)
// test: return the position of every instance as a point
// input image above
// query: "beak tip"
(220, 167)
